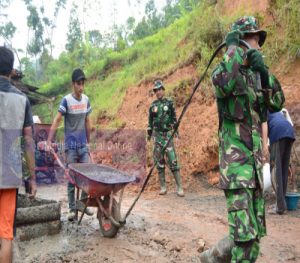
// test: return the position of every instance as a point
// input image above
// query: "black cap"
(77, 75)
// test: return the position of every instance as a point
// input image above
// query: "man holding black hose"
(243, 98)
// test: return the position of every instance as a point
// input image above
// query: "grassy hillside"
(191, 39)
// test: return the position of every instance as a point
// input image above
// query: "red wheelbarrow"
(101, 183)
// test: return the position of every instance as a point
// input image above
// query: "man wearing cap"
(15, 125)
(245, 90)
(75, 107)
(161, 122)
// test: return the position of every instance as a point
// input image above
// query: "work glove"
(256, 63)
(233, 38)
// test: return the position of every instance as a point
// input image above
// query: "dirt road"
(160, 229)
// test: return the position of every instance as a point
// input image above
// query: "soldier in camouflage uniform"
(243, 98)
(162, 118)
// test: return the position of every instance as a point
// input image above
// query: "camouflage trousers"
(160, 140)
(246, 218)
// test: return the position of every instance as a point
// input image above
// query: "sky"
(93, 14)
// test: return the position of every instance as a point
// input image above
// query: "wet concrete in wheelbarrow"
(160, 229)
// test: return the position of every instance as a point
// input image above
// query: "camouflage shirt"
(162, 115)
(242, 106)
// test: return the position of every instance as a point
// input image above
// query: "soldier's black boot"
(178, 183)
(162, 181)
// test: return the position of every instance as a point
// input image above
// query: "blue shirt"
(279, 127)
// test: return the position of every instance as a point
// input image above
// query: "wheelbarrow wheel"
(107, 228)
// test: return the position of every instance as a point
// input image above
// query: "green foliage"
(74, 36)
(28, 71)
(188, 5)
(95, 38)
(8, 30)
(154, 56)
(35, 23)
(42, 26)
(153, 21)
(39, 45)
(171, 12)
(286, 17)
(111, 72)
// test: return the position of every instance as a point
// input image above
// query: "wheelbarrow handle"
(57, 159)
(91, 158)
(43, 146)
(60, 163)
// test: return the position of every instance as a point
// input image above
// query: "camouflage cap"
(158, 84)
(249, 25)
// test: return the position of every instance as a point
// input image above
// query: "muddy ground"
(160, 229)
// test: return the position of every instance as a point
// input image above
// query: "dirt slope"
(197, 146)
(197, 142)
(234, 6)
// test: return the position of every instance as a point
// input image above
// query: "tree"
(171, 12)
(51, 24)
(42, 27)
(28, 71)
(130, 23)
(36, 45)
(188, 5)
(74, 35)
(129, 34)
(40, 34)
(120, 36)
(95, 38)
(7, 31)
(7, 28)
(142, 29)
(153, 19)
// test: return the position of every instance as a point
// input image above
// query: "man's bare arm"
(29, 156)
(54, 127)
(88, 127)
